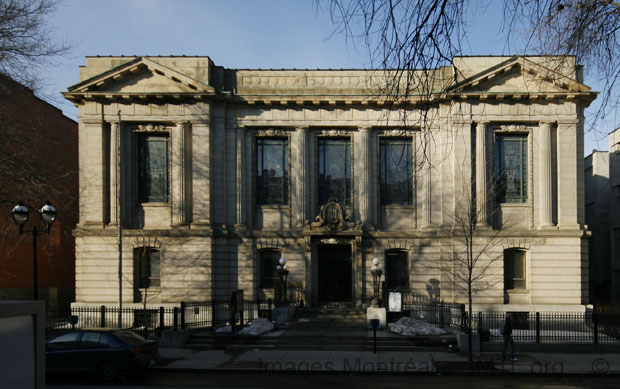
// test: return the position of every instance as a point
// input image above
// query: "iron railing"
(151, 321)
(550, 327)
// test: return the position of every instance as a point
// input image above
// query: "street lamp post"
(283, 275)
(376, 281)
(20, 216)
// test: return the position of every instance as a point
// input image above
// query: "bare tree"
(472, 266)
(409, 38)
(27, 44)
(586, 29)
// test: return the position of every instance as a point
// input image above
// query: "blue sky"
(234, 33)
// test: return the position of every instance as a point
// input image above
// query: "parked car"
(103, 352)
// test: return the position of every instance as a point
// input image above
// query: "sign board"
(395, 302)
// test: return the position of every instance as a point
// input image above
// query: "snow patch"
(258, 327)
(223, 330)
(412, 327)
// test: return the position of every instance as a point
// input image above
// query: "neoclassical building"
(221, 172)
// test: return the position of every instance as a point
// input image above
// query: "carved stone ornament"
(152, 128)
(334, 241)
(332, 215)
(397, 133)
(271, 132)
(513, 128)
(334, 133)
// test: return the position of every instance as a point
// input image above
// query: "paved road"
(172, 379)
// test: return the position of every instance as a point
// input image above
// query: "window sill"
(515, 205)
(155, 204)
(517, 291)
(272, 206)
(397, 206)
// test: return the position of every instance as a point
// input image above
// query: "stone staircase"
(326, 329)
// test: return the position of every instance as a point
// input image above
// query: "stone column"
(115, 178)
(481, 174)
(545, 166)
(201, 174)
(178, 181)
(365, 185)
(300, 201)
(241, 179)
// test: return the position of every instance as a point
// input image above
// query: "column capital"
(482, 123)
(546, 123)
(365, 128)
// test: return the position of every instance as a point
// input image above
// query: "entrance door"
(335, 273)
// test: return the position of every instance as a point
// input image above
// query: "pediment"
(141, 76)
(518, 75)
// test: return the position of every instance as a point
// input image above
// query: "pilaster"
(482, 178)
(201, 174)
(241, 179)
(365, 186)
(179, 168)
(92, 168)
(570, 176)
(545, 184)
(299, 202)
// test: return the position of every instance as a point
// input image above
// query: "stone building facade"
(223, 171)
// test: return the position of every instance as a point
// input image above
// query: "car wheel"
(107, 371)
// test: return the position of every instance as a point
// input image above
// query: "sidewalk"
(352, 362)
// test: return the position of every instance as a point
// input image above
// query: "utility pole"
(119, 221)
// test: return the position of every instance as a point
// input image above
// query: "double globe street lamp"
(283, 275)
(20, 216)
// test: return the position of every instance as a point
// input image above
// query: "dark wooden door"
(335, 273)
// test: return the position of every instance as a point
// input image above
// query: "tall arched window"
(514, 269)
(396, 270)
(268, 260)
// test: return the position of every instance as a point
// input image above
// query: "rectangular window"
(514, 269)
(147, 271)
(334, 170)
(268, 273)
(272, 171)
(396, 270)
(153, 177)
(511, 168)
(396, 171)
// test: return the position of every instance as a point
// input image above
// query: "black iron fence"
(550, 327)
(442, 314)
(208, 314)
(150, 321)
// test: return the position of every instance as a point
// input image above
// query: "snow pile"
(258, 327)
(412, 327)
(223, 330)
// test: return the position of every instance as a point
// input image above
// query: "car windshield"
(129, 337)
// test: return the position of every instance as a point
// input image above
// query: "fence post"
(161, 321)
(175, 320)
(537, 327)
(595, 325)
(441, 318)
(480, 323)
(463, 317)
(182, 315)
(102, 318)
